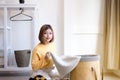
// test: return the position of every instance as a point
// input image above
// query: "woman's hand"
(47, 56)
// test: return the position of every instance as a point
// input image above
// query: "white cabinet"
(15, 35)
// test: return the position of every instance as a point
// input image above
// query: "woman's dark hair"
(42, 30)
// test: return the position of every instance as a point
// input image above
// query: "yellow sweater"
(38, 56)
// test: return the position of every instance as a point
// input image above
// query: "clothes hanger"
(27, 17)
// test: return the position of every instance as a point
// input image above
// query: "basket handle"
(94, 72)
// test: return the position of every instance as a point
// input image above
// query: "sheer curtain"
(112, 35)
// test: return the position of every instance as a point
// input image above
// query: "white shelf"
(16, 69)
(1, 49)
(1, 28)
(17, 5)
(6, 32)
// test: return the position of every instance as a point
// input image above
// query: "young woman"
(42, 63)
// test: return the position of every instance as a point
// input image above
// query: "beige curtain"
(112, 35)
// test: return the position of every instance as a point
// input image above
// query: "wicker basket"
(87, 69)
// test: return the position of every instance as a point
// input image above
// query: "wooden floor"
(111, 77)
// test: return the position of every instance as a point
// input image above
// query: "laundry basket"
(22, 57)
(87, 69)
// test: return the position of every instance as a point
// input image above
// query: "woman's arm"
(37, 61)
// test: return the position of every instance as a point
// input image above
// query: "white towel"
(65, 63)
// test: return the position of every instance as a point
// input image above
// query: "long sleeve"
(38, 57)
(36, 61)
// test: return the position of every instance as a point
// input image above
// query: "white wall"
(51, 12)
(82, 26)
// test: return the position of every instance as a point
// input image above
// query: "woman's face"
(47, 36)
